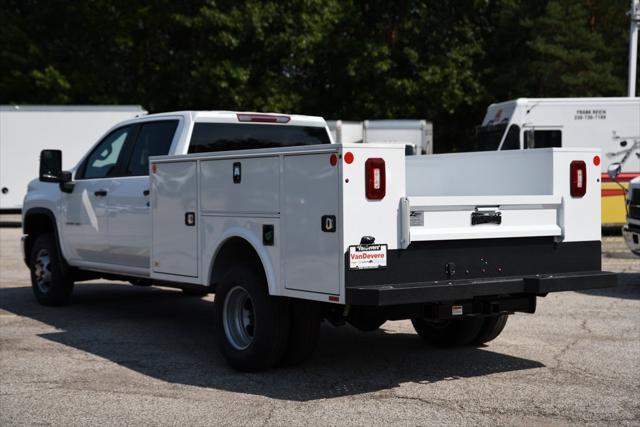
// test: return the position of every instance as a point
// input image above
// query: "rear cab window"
(212, 137)
(154, 139)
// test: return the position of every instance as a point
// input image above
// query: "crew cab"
(289, 229)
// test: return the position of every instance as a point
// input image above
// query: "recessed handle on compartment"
(100, 193)
(145, 192)
(237, 173)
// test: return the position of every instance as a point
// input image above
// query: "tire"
(491, 328)
(366, 319)
(252, 327)
(448, 333)
(304, 332)
(50, 277)
(367, 325)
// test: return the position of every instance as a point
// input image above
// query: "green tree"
(440, 60)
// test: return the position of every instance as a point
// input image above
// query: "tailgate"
(480, 217)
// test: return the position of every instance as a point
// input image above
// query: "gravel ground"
(126, 355)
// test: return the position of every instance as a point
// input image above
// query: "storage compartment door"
(311, 255)
(175, 219)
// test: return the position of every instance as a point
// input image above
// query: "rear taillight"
(578, 176)
(375, 179)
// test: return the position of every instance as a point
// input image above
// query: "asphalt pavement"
(121, 354)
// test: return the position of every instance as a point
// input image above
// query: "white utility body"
(25, 130)
(288, 228)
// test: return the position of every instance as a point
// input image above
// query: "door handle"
(145, 192)
(100, 193)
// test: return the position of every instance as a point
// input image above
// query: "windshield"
(488, 137)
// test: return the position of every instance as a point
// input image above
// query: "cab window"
(154, 139)
(212, 137)
(512, 140)
(102, 161)
(544, 139)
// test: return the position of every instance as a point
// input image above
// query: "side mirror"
(614, 170)
(51, 167)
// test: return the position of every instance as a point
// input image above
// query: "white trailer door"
(174, 189)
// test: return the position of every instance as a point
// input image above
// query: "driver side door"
(85, 209)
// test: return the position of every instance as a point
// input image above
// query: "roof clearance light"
(578, 178)
(263, 118)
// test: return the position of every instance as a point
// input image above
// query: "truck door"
(129, 212)
(84, 210)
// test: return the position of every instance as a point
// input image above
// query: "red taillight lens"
(375, 179)
(578, 176)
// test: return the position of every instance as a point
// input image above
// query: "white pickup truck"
(289, 229)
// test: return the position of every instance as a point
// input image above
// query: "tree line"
(443, 60)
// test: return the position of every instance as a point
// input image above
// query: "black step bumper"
(457, 290)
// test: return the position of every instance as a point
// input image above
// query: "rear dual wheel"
(459, 332)
(256, 331)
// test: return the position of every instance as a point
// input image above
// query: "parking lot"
(121, 354)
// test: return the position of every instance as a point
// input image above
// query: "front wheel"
(252, 327)
(50, 279)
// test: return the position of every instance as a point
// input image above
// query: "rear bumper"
(457, 290)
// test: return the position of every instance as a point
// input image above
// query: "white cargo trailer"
(346, 132)
(27, 129)
(415, 135)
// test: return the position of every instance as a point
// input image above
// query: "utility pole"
(634, 13)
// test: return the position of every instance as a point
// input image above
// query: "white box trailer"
(609, 124)
(347, 132)
(25, 130)
(415, 135)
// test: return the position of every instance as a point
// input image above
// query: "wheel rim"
(238, 318)
(42, 270)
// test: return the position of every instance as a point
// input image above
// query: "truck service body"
(288, 228)
(610, 124)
